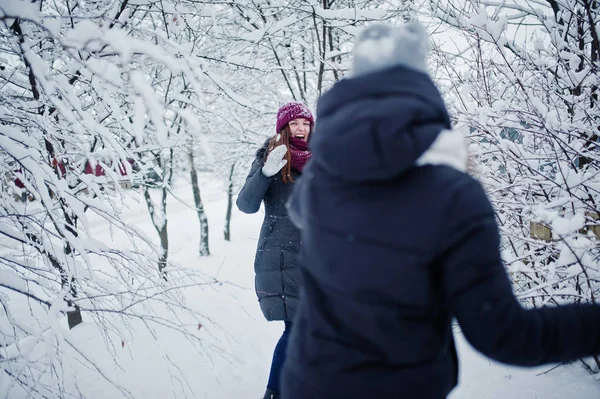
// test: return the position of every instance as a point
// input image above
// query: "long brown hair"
(283, 137)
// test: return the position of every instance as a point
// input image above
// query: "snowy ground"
(238, 342)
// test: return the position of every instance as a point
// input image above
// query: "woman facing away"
(398, 240)
(271, 179)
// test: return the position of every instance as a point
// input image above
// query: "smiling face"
(299, 128)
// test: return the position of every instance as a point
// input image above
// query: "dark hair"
(283, 137)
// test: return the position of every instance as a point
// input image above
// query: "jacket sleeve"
(255, 187)
(478, 291)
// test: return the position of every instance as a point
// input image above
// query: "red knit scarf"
(299, 153)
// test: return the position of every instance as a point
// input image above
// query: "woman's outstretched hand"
(275, 161)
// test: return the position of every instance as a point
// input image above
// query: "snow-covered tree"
(83, 106)
(522, 83)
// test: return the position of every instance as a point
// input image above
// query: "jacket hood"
(376, 126)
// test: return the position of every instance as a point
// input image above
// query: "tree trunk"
(204, 248)
(227, 229)
(160, 224)
(73, 316)
(164, 236)
(322, 51)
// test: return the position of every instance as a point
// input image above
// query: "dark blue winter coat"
(276, 261)
(392, 252)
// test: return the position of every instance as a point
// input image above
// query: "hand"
(275, 161)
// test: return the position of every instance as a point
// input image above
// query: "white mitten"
(275, 161)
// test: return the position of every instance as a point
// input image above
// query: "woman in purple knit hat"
(278, 164)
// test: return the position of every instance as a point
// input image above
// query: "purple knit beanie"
(292, 110)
